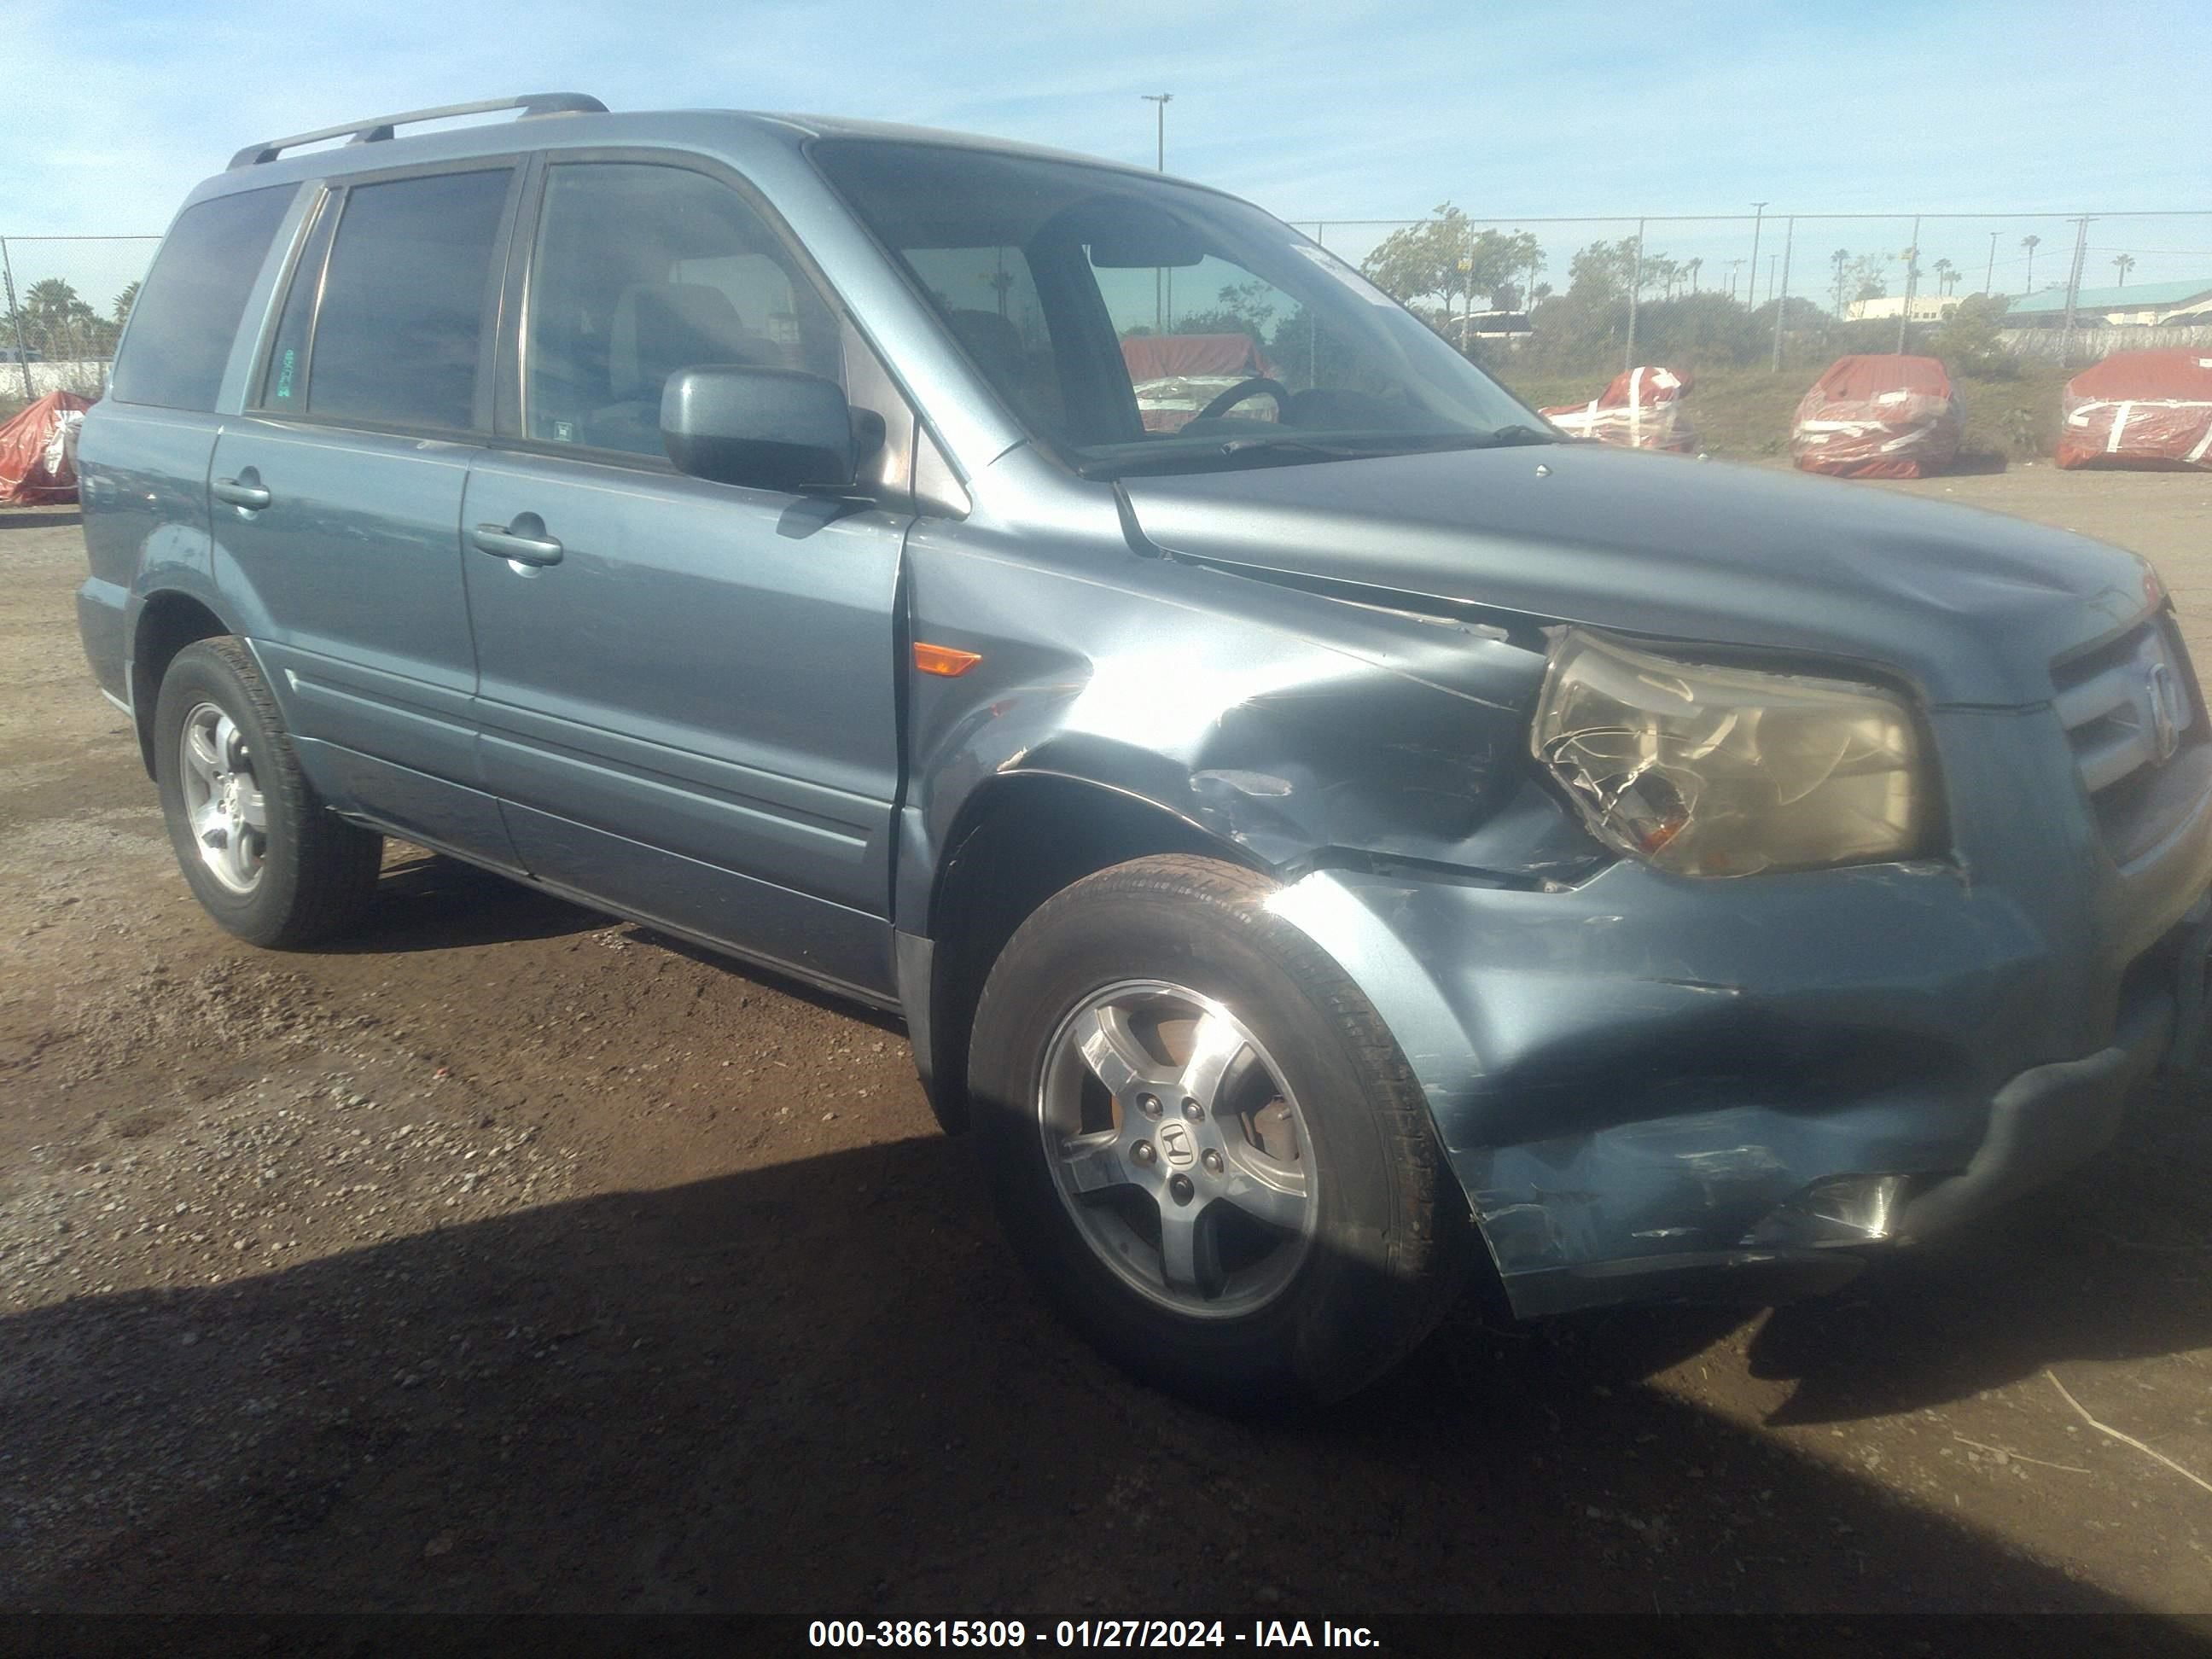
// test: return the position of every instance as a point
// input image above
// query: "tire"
(1340, 1285)
(305, 875)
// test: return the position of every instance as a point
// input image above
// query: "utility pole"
(1911, 275)
(1161, 295)
(1782, 303)
(1635, 283)
(1990, 277)
(22, 355)
(1751, 295)
(2074, 287)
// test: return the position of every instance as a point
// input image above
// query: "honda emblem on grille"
(2164, 710)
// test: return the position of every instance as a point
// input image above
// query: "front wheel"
(1203, 1138)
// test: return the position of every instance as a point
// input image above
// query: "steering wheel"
(1244, 389)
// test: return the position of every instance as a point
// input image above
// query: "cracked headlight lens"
(1709, 771)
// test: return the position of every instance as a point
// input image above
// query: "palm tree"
(2124, 264)
(52, 307)
(124, 302)
(1691, 270)
(1840, 258)
(1947, 275)
(2030, 243)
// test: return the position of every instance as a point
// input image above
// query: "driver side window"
(1191, 335)
(640, 271)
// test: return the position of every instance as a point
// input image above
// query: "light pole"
(1781, 302)
(1990, 277)
(1635, 285)
(1160, 100)
(1751, 293)
(1911, 257)
(2074, 287)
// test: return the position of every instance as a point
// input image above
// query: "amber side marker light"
(943, 659)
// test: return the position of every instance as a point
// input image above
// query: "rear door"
(336, 498)
(689, 689)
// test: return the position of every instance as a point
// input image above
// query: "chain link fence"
(2074, 286)
(1552, 297)
(63, 300)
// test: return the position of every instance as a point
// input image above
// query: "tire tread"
(1429, 1246)
(335, 863)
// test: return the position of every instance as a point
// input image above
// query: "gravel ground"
(510, 1258)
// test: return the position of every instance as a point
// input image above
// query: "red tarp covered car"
(38, 452)
(2146, 409)
(1176, 375)
(1641, 409)
(1883, 417)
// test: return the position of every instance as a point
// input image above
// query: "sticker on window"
(1346, 275)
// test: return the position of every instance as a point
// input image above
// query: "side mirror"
(772, 429)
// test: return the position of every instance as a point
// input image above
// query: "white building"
(1926, 307)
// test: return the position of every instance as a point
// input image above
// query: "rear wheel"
(262, 854)
(1204, 1139)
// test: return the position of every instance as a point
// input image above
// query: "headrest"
(661, 327)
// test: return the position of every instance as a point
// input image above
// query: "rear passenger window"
(406, 300)
(641, 270)
(182, 326)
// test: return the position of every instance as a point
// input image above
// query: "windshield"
(1137, 324)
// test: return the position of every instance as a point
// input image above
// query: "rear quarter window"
(188, 313)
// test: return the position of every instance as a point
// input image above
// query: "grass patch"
(1745, 414)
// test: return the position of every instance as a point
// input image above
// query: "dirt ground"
(508, 1258)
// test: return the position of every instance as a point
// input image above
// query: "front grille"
(2132, 716)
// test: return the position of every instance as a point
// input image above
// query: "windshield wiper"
(1507, 437)
(1203, 457)
(1200, 458)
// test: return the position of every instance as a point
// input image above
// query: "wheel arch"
(1020, 838)
(168, 620)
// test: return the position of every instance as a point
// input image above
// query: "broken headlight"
(1707, 771)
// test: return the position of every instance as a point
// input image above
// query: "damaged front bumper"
(1660, 1089)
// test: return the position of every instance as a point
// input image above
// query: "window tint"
(641, 270)
(990, 298)
(284, 383)
(405, 300)
(1156, 304)
(182, 323)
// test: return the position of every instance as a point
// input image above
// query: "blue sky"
(1353, 110)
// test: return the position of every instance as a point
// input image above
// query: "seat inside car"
(659, 328)
(996, 345)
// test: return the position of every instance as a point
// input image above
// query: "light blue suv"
(1324, 831)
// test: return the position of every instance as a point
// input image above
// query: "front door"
(687, 698)
(336, 498)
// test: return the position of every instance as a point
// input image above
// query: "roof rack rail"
(378, 128)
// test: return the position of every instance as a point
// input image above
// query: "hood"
(1971, 606)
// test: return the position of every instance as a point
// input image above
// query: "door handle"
(235, 494)
(502, 541)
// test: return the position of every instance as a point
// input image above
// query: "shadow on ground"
(822, 1387)
(426, 902)
(38, 518)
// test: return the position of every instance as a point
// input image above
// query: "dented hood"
(1970, 605)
